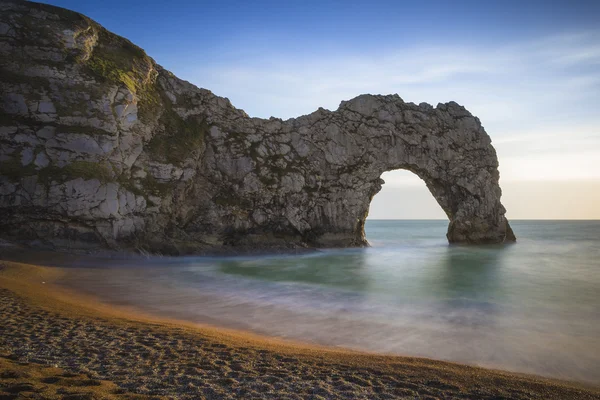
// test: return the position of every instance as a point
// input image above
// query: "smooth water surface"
(532, 307)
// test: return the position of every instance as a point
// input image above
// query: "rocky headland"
(103, 148)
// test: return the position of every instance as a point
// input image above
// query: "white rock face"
(141, 159)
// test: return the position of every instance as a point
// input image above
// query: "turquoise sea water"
(533, 306)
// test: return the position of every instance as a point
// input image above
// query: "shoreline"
(12, 251)
(361, 375)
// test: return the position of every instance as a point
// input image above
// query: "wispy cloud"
(527, 73)
(571, 49)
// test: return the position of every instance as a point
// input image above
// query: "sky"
(530, 70)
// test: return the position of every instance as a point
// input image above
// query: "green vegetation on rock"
(117, 60)
(156, 188)
(230, 199)
(35, 82)
(87, 170)
(14, 170)
(180, 139)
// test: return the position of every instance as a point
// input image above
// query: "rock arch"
(445, 146)
(103, 147)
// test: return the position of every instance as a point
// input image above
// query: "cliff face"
(101, 147)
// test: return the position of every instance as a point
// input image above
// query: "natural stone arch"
(446, 147)
(331, 169)
(132, 156)
(449, 150)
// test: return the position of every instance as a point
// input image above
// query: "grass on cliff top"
(112, 59)
(117, 60)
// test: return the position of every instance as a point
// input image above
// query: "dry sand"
(41, 325)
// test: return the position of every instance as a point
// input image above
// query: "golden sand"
(125, 353)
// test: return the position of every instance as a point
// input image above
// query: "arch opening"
(404, 195)
(434, 200)
(404, 210)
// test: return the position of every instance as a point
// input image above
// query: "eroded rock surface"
(103, 147)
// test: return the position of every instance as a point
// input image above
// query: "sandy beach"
(58, 344)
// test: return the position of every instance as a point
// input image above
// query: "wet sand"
(43, 324)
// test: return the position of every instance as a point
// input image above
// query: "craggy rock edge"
(101, 147)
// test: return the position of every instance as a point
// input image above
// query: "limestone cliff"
(101, 147)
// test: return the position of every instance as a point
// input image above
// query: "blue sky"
(529, 69)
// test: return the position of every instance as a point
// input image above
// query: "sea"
(532, 306)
